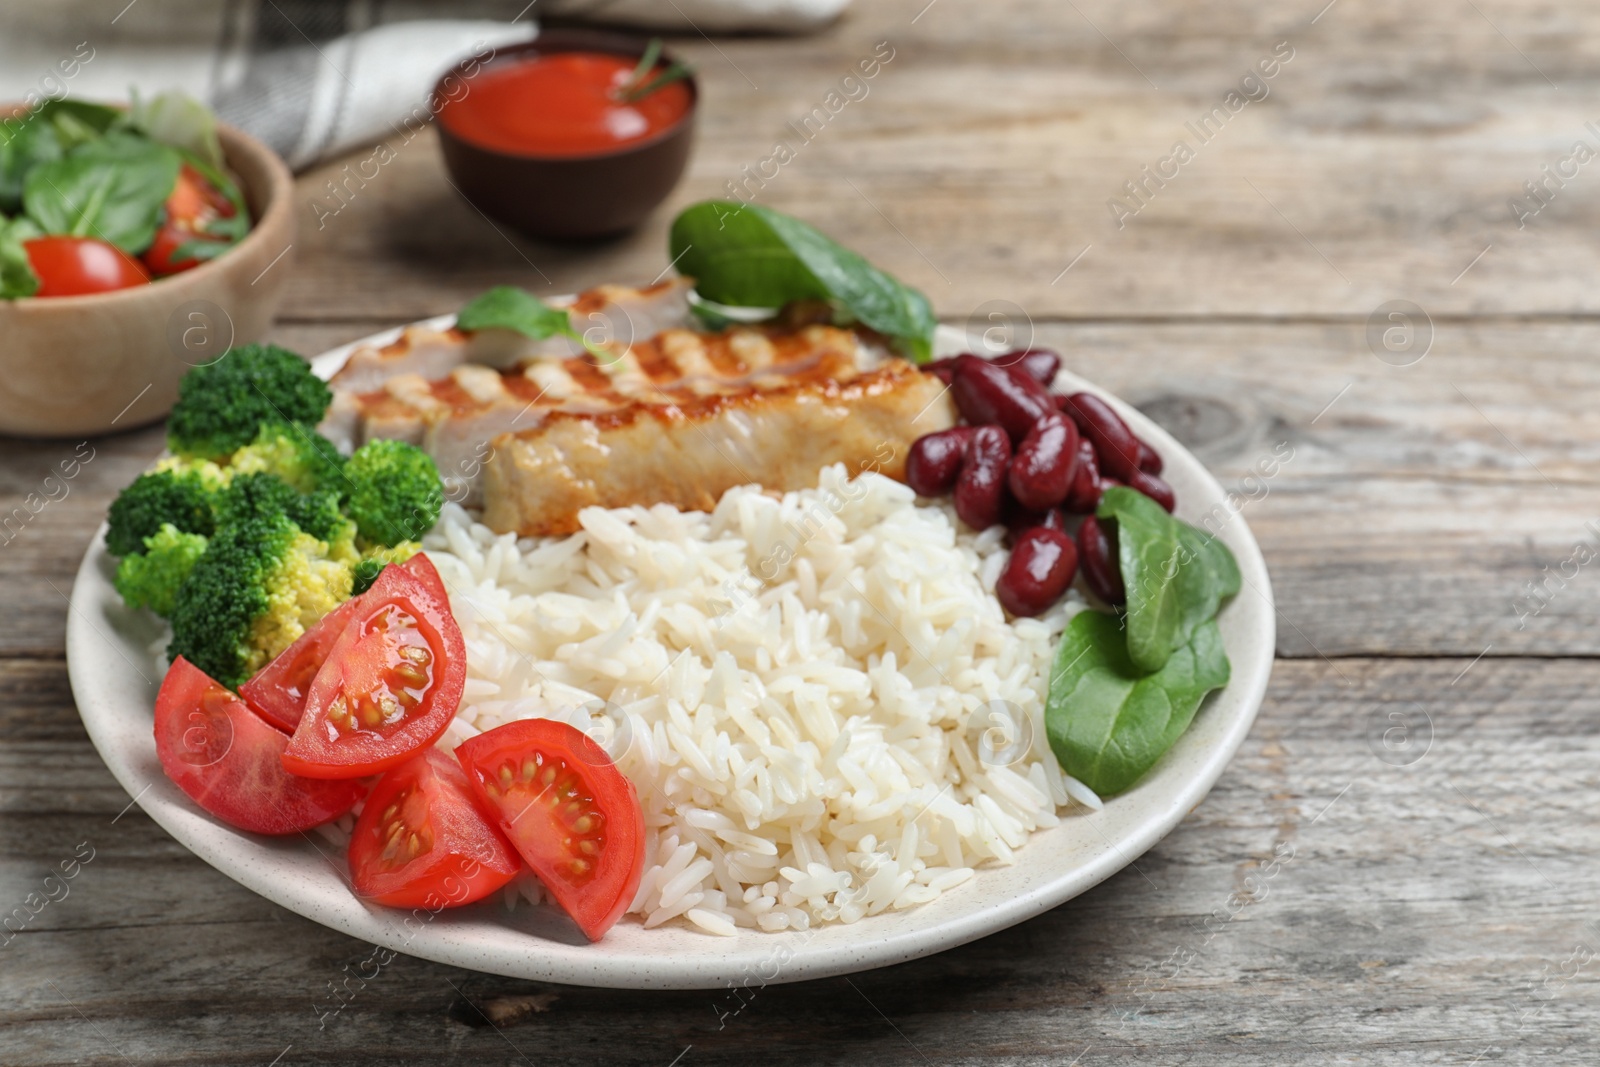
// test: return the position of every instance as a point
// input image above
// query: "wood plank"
(982, 158)
(1415, 922)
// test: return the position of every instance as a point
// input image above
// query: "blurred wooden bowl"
(72, 366)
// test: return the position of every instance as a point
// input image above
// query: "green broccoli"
(183, 499)
(223, 405)
(394, 492)
(303, 458)
(365, 573)
(259, 494)
(261, 582)
(151, 579)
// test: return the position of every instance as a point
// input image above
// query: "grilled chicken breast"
(610, 314)
(533, 431)
(777, 432)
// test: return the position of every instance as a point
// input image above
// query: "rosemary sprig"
(645, 79)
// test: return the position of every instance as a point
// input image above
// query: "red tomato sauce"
(561, 105)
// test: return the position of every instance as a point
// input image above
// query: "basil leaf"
(1109, 722)
(506, 307)
(200, 249)
(24, 143)
(751, 256)
(77, 122)
(112, 189)
(17, 277)
(179, 120)
(1175, 576)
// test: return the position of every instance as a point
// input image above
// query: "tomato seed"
(410, 674)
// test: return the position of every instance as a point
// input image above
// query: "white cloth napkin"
(314, 78)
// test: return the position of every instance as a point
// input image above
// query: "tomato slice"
(73, 266)
(278, 691)
(390, 686)
(190, 208)
(421, 841)
(230, 762)
(422, 569)
(572, 815)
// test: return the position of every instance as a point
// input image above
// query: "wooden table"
(1431, 730)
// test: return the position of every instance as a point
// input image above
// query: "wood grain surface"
(1399, 866)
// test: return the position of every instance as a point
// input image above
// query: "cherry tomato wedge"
(390, 686)
(160, 257)
(422, 569)
(190, 207)
(73, 266)
(278, 691)
(421, 841)
(229, 761)
(572, 815)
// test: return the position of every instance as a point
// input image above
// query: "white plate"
(115, 677)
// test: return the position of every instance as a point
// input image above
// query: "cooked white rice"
(818, 698)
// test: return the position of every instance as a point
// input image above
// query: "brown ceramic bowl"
(567, 197)
(72, 366)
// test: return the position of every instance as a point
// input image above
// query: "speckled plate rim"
(114, 680)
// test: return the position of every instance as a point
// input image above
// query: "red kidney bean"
(943, 369)
(1154, 488)
(987, 394)
(1097, 555)
(1041, 567)
(1045, 463)
(1020, 520)
(1084, 495)
(981, 485)
(1149, 459)
(1040, 364)
(1114, 443)
(935, 460)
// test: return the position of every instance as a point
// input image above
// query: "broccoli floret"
(223, 405)
(182, 499)
(374, 559)
(261, 582)
(303, 458)
(259, 494)
(151, 579)
(394, 492)
(364, 573)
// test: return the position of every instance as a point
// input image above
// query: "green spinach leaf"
(78, 122)
(751, 256)
(17, 277)
(112, 188)
(25, 142)
(1176, 576)
(1108, 722)
(506, 307)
